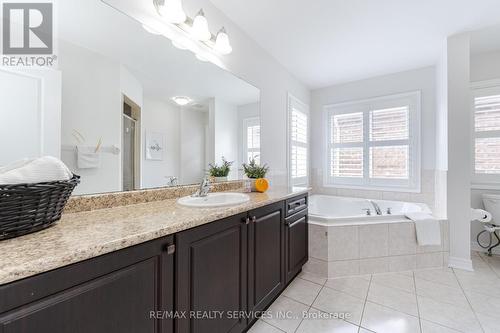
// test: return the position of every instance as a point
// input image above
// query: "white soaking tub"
(344, 240)
(329, 210)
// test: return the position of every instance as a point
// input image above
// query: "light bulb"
(200, 27)
(222, 44)
(181, 100)
(172, 11)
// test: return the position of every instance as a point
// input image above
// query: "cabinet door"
(266, 271)
(212, 277)
(125, 299)
(297, 244)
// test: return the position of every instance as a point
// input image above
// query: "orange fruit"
(262, 185)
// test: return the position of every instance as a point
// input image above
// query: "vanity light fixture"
(181, 100)
(222, 44)
(191, 34)
(171, 10)
(199, 30)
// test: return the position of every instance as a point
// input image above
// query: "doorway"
(131, 144)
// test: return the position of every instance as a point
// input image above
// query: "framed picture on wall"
(155, 145)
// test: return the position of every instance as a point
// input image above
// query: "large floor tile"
(395, 280)
(364, 330)
(302, 291)
(393, 298)
(439, 275)
(459, 318)
(441, 293)
(320, 322)
(355, 286)
(489, 323)
(332, 301)
(428, 327)
(294, 314)
(485, 304)
(312, 277)
(262, 327)
(380, 319)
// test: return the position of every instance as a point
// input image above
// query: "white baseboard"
(474, 246)
(460, 263)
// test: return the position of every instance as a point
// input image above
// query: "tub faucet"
(377, 207)
(204, 188)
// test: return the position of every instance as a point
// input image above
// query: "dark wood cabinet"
(266, 256)
(209, 279)
(211, 275)
(125, 291)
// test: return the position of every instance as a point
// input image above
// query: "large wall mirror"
(125, 109)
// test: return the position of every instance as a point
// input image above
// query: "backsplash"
(109, 200)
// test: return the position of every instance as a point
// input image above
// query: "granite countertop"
(80, 236)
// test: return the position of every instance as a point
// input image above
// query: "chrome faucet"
(204, 188)
(377, 207)
(171, 181)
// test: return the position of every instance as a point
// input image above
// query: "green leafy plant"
(220, 171)
(255, 171)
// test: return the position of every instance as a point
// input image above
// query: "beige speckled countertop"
(84, 235)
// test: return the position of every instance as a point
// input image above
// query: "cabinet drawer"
(296, 227)
(295, 205)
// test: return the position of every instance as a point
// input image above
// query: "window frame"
(480, 89)
(295, 103)
(413, 183)
(246, 123)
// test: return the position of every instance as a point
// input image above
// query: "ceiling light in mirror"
(222, 44)
(183, 43)
(171, 10)
(201, 57)
(200, 30)
(181, 100)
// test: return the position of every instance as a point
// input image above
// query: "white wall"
(194, 125)
(459, 149)
(91, 104)
(251, 63)
(423, 80)
(484, 66)
(163, 117)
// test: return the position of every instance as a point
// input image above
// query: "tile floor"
(440, 300)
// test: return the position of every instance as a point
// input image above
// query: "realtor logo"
(27, 28)
(28, 33)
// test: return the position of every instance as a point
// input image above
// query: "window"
(251, 140)
(486, 106)
(374, 144)
(298, 129)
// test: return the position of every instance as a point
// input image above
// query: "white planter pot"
(220, 179)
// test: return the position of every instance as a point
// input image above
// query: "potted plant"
(220, 173)
(254, 172)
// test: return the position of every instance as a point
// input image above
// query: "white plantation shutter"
(487, 132)
(375, 143)
(298, 142)
(251, 140)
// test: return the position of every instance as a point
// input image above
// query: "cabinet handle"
(246, 220)
(170, 248)
(254, 219)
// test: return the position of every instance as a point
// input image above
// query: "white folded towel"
(43, 169)
(428, 228)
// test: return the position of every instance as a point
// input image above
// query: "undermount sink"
(212, 200)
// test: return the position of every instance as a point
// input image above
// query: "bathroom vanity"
(207, 278)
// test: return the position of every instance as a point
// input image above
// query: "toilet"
(492, 204)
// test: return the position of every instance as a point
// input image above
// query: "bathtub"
(344, 240)
(329, 210)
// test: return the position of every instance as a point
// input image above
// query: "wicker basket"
(26, 208)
